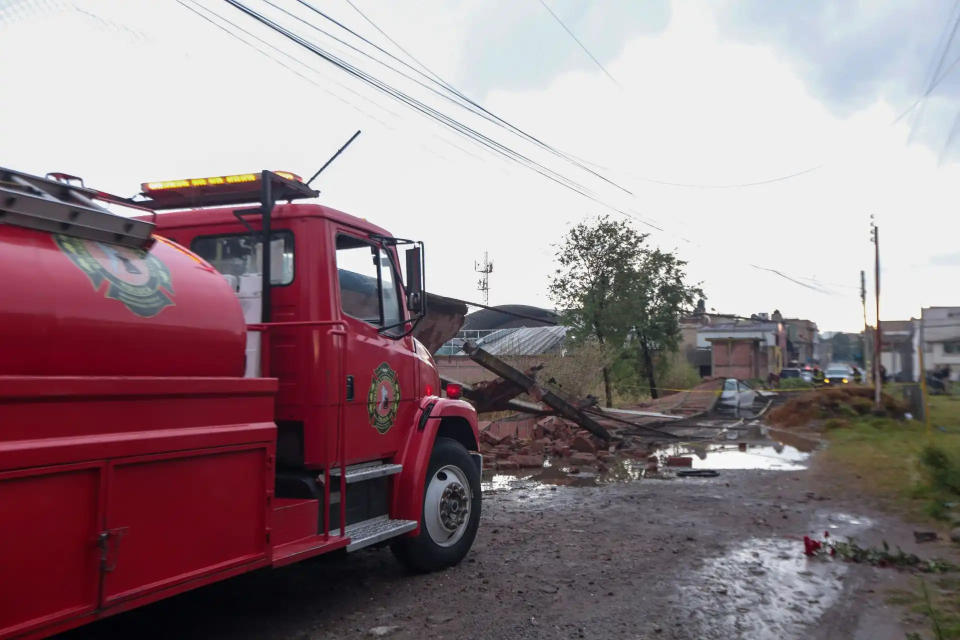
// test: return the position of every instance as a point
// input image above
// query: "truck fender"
(435, 417)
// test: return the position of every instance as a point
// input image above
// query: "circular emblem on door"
(384, 398)
(134, 277)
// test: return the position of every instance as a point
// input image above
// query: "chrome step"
(363, 534)
(366, 471)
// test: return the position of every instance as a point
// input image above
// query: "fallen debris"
(925, 536)
(529, 385)
(698, 473)
(823, 404)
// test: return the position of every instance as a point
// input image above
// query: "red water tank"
(70, 306)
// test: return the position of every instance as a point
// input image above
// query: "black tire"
(422, 553)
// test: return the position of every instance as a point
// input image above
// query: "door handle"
(349, 387)
(109, 544)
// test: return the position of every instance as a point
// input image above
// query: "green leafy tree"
(657, 298)
(614, 290)
(597, 263)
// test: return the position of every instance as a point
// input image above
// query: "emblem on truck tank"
(133, 277)
(384, 398)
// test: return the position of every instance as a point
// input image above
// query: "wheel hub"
(447, 505)
(453, 506)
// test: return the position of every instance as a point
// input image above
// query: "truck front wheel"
(451, 511)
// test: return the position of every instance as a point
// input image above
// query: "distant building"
(939, 331)
(839, 346)
(696, 353)
(823, 349)
(896, 349)
(802, 339)
(745, 349)
(522, 342)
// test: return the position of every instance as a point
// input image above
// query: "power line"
(428, 111)
(283, 64)
(577, 40)
(580, 162)
(739, 185)
(459, 127)
(794, 280)
(929, 90)
(467, 103)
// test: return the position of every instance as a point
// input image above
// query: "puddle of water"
(769, 457)
(763, 588)
(842, 524)
(800, 441)
(725, 456)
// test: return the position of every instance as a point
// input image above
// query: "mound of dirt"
(839, 402)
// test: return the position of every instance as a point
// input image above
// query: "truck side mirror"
(415, 299)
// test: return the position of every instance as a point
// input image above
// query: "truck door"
(380, 365)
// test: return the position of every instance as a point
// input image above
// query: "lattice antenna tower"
(484, 268)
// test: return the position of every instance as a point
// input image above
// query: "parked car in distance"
(737, 394)
(796, 373)
(839, 374)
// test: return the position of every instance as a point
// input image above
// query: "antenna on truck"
(333, 157)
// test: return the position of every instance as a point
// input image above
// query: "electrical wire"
(468, 132)
(467, 103)
(430, 112)
(284, 65)
(794, 280)
(579, 162)
(577, 40)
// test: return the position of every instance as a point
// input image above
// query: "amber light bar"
(215, 181)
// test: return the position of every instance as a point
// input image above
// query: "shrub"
(795, 383)
(679, 374)
(942, 468)
(579, 372)
(836, 423)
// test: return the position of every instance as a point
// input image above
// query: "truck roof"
(224, 215)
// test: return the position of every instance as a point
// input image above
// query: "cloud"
(853, 54)
(698, 106)
(518, 45)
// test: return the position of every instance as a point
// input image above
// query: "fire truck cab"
(229, 403)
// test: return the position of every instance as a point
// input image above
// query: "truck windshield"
(241, 254)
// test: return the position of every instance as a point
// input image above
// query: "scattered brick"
(583, 458)
(583, 444)
(526, 461)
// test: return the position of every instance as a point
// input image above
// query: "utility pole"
(484, 269)
(863, 302)
(877, 378)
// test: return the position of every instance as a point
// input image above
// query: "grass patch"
(795, 383)
(934, 604)
(945, 412)
(901, 460)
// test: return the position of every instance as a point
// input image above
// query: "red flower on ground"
(810, 546)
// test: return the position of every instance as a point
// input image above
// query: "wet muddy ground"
(616, 555)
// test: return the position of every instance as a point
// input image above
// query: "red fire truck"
(189, 396)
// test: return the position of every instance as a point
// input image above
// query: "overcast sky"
(697, 102)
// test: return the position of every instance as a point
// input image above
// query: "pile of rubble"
(520, 442)
(574, 434)
(814, 407)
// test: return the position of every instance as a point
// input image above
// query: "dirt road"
(682, 558)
